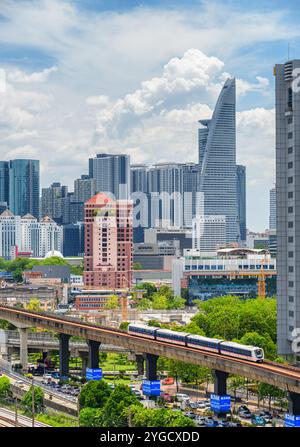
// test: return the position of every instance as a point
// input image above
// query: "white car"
(181, 396)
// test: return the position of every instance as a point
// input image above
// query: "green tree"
(137, 266)
(26, 401)
(144, 304)
(235, 383)
(4, 387)
(146, 417)
(149, 287)
(270, 392)
(112, 302)
(124, 325)
(88, 416)
(114, 411)
(94, 394)
(34, 304)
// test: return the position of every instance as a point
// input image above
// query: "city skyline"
(74, 104)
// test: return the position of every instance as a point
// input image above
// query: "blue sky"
(89, 75)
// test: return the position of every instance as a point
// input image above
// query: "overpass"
(283, 376)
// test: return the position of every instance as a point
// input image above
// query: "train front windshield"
(259, 353)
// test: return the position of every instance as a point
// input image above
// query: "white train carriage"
(178, 338)
(232, 349)
(143, 330)
(203, 343)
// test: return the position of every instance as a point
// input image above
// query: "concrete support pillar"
(64, 354)
(139, 358)
(93, 356)
(84, 360)
(220, 382)
(24, 348)
(294, 403)
(151, 366)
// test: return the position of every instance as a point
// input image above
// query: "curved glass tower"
(217, 159)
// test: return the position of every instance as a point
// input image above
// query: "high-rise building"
(73, 244)
(108, 242)
(287, 204)
(241, 199)
(138, 178)
(209, 233)
(165, 188)
(4, 181)
(217, 159)
(192, 198)
(111, 174)
(51, 204)
(272, 216)
(84, 188)
(24, 187)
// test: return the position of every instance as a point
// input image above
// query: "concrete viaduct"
(282, 376)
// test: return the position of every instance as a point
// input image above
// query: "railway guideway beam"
(220, 389)
(93, 355)
(151, 366)
(64, 354)
(220, 382)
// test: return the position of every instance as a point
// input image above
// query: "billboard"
(94, 374)
(291, 420)
(220, 404)
(151, 387)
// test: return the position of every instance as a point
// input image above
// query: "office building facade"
(111, 174)
(241, 199)
(108, 242)
(24, 187)
(272, 215)
(217, 160)
(287, 205)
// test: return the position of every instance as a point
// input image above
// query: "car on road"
(211, 422)
(202, 405)
(166, 397)
(223, 424)
(200, 421)
(258, 420)
(181, 396)
(266, 415)
(20, 384)
(190, 414)
(168, 381)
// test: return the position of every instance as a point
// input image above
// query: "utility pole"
(32, 409)
(16, 411)
(78, 411)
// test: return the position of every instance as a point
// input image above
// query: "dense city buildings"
(287, 204)
(108, 242)
(73, 240)
(111, 174)
(84, 188)
(28, 234)
(217, 160)
(52, 203)
(241, 198)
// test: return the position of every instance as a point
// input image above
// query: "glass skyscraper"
(24, 187)
(4, 181)
(111, 174)
(217, 159)
(241, 198)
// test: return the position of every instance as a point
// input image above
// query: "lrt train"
(228, 348)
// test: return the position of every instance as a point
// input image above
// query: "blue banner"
(151, 387)
(220, 404)
(93, 373)
(291, 420)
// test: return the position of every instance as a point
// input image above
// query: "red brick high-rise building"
(108, 243)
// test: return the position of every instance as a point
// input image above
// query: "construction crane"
(124, 301)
